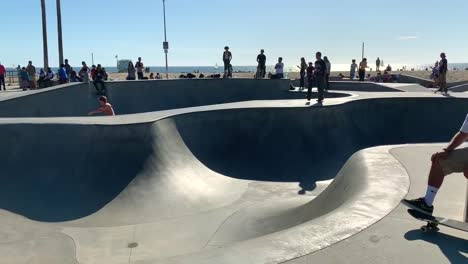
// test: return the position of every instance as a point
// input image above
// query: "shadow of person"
(306, 186)
(452, 247)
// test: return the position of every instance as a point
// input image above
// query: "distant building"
(122, 65)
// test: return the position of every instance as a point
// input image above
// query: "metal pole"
(44, 35)
(59, 31)
(362, 50)
(92, 58)
(165, 38)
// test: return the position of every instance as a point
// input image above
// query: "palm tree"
(44, 35)
(59, 31)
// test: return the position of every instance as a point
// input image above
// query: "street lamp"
(59, 32)
(44, 35)
(165, 43)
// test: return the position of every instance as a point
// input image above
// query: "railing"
(11, 77)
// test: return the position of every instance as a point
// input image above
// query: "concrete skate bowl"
(215, 186)
(130, 97)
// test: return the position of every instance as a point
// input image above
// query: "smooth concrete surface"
(130, 97)
(397, 238)
(264, 181)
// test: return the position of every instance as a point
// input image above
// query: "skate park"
(226, 171)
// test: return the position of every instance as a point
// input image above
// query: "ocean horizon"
(270, 68)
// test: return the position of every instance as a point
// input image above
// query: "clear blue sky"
(411, 32)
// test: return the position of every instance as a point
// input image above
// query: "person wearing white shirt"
(352, 72)
(279, 69)
(449, 160)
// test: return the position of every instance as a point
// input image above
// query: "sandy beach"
(453, 76)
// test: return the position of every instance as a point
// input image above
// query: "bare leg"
(436, 175)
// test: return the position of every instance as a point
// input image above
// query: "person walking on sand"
(377, 64)
(445, 162)
(352, 71)
(227, 57)
(261, 68)
(139, 68)
(2, 76)
(362, 69)
(31, 75)
(302, 73)
(105, 109)
(327, 75)
(320, 73)
(443, 69)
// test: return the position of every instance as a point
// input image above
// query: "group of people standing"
(137, 71)
(317, 73)
(361, 69)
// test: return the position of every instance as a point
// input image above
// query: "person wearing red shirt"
(93, 72)
(2, 76)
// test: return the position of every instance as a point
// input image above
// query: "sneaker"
(419, 205)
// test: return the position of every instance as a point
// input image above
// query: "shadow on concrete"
(451, 246)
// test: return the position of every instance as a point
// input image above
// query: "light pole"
(362, 50)
(165, 43)
(44, 35)
(59, 31)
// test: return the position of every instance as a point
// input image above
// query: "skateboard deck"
(434, 221)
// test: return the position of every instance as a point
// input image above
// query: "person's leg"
(309, 89)
(455, 162)
(96, 85)
(2, 82)
(443, 82)
(103, 85)
(301, 84)
(320, 88)
(226, 68)
(327, 82)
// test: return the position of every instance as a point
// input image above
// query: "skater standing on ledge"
(443, 68)
(362, 69)
(320, 75)
(261, 68)
(445, 162)
(310, 80)
(227, 57)
(105, 109)
(352, 71)
(139, 68)
(303, 69)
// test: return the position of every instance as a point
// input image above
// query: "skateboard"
(434, 221)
